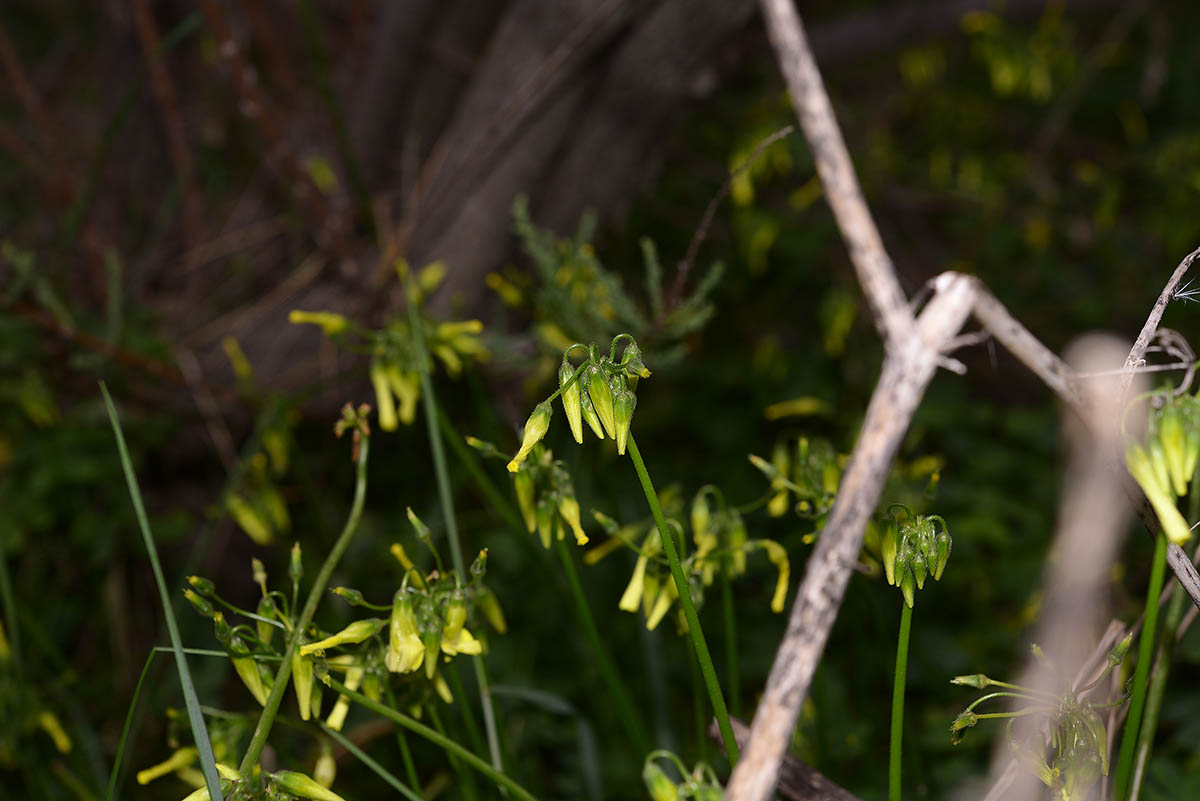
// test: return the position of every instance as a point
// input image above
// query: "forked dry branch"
(914, 349)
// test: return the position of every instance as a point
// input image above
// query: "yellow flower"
(568, 507)
(182, 758)
(666, 597)
(632, 598)
(405, 650)
(383, 397)
(778, 556)
(302, 679)
(337, 717)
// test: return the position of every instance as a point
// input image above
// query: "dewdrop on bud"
(535, 428)
(572, 405)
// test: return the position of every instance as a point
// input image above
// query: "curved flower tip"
(631, 599)
(356, 632)
(568, 507)
(535, 428)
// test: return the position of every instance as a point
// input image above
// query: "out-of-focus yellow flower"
(182, 758)
(337, 717)
(331, 324)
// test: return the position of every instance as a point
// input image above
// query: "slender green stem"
(608, 671)
(689, 609)
(375, 767)
(1141, 672)
(443, 742)
(617, 688)
(894, 761)
(208, 763)
(466, 780)
(731, 646)
(410, 768)
(429, 402)
(271, 708)
(1157, 689)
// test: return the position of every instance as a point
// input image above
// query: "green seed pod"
(602, 398)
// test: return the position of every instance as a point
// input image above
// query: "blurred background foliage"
(161, 212)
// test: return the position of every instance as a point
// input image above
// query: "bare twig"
(907, 371)
(1138, 352)
(875, 272)
(689, 258)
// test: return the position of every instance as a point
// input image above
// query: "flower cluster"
(1164, 467)
(600, 392)
(427, 620)
(1074, 739)
(811, 471)
(914, 549)
(721, 544)
(395, 355)
(699, 784)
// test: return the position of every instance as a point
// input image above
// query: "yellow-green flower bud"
(356, 632)
(588, 409)
(406, 384)
(303, 786)
(601, 397)
(325, 771)
(455, 615)
(778, 505)
(1142, 469)
(302, 682)
(1174, 442)
(1158, 460)
(266, 609)
(249, 520)
(666, 597)
(887, 550)
(545, 521)
(535, 428)
(701, 515)
(49, 724)
(571, 401)
(778, 556)
(384, 400)
(660, 787)
(182, 758)
(331, 324)
(489, 604)
(337, 717)
(202, 606)
(295, 564)
(568, 507)
(523, 485)
(631, 599)
(624, 403)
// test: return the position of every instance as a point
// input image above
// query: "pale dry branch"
(907, 370)
(797, 781)
(1142, 343)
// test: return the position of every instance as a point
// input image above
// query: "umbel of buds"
(599, 392)
(914, 549)
(1164, 466)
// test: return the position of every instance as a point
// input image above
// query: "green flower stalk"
(571, 400)
(535, 428)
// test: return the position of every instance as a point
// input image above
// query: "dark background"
(161, 173)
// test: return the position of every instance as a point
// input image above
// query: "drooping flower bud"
(383, 397)
(568, 507)
(660, 787)
(535, 428)
(303, 786)
(572, 405)
(601, 397)
(523, 485)
(588, 409)
(1141, 467)
(1174, 443)
(302, 681)
(624, 403)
